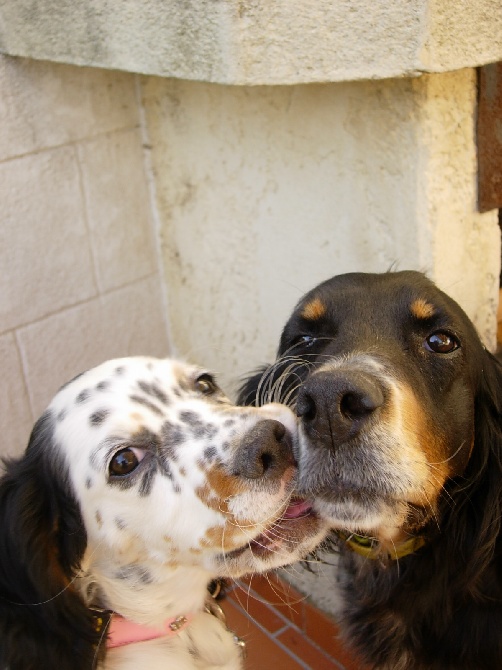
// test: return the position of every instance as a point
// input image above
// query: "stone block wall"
(80, 279)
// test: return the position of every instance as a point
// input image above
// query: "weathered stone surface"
(257, 41)
(125, 322)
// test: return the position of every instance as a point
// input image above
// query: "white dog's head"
(167, 471)
(141, 472)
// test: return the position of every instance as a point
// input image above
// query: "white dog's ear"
(43, 621)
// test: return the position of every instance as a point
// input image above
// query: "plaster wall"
(80, 279)
(265, 191)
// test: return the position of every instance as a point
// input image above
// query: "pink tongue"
(297, 508)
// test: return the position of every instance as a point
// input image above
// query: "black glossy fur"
(43, 621)
(358, 351)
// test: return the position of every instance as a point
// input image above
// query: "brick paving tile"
(283, 630)
(262, 651)
(258, 612)
(298, 643)
(280, 595)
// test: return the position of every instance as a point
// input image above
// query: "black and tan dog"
(400, 441)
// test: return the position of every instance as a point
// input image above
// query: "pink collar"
(122, 631)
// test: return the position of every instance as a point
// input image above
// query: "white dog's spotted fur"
(174, 488)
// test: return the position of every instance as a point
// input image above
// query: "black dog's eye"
(125, 461)
(441, 342)
(306, 340)
(205, 384)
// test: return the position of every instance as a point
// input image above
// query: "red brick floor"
(282, 630)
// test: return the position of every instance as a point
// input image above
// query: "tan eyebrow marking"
(314, 309)
(421, 309)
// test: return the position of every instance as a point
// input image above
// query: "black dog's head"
(398, 402)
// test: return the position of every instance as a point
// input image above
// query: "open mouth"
(289, 529)
(298, 508)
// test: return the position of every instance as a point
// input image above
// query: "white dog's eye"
(205, 384)
(125, 461)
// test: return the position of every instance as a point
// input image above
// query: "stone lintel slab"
(252, 42)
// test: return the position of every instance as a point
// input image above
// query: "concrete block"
(14, 404)
(257, 42)
(47, 104)
(44, 247)
(117, 204)
(122, 323)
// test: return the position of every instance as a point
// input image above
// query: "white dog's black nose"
(264, 451)
(339, 403)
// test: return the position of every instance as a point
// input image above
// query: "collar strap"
(122, 631)
(371, 548)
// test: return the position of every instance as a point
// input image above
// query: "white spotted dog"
(141, 483)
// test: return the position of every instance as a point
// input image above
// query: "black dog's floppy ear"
(473, 508)
(487, 451)
(491, 383)
(43, 621)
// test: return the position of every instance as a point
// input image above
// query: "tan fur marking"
(209, 498)
(228, 537)
(423, 435)
(218, 489)
(314, 310)
(421, 309)
(213, 535)
(425, 445)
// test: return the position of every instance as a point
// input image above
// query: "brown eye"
(205, 384)
(124, 462)
(441, 342)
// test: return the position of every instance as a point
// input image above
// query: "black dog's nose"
(340, 402)
(265, 450)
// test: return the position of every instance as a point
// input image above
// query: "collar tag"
(370, 548)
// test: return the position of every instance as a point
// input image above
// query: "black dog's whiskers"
(281, 381)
